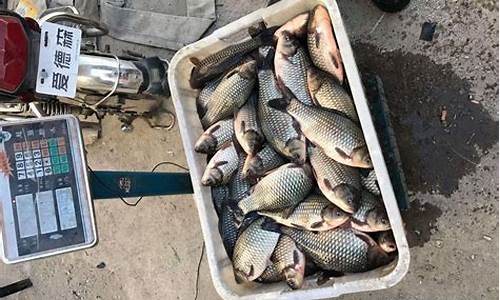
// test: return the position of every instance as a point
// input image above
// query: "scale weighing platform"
(46, 206)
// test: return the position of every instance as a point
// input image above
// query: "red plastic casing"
(13, 53)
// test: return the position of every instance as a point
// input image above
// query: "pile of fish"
(292, 180)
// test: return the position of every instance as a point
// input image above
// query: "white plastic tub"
(190, 128)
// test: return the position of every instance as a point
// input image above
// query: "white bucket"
(190, 127)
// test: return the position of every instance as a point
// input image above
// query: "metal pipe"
(99, 74)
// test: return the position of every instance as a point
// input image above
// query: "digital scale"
(46, 205)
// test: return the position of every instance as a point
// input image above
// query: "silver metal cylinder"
(99, 74)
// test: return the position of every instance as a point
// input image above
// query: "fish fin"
(279, 104)
(365, 237)
(247, 220)
(317, 225)
(256, 30)
(296, 126)
(266, 62)
(287, 93)
(345, 225)
(287, 212)
(317, 39)
(200, 110)
(342, 154)
(298, 226)
(335, 63)
(238, 147)
(243, 125)
(252, 271)
(195, 61)
(220, 163)
(263, 33)
(214, 128)
(328, 184)
(271, 225)
(296, 257)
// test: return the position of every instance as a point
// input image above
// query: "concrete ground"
(152, 251)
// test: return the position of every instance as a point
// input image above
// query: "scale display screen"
(46, 207)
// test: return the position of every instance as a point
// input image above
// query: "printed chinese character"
(64, 38)
(60, 81)
(62, 59)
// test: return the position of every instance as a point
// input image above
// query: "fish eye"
(338, 213)
(384, 221)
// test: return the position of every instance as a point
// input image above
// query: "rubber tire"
(391, 6)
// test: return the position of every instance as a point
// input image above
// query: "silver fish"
(225, 59)
(327, 93)
(246, 127)
(215, 136)
(222, 166)
(289, 261)
(370, 183)
(340, 249)
(204, 97)
(283, 188)
(265, 160)
(290, 64)
(338, 182)
(315, 213)
(228, 229)
(371, 215)
(277, 126)
(339, 137)
(322, 45)
(253, 251)
(230, 94)
(220, 197)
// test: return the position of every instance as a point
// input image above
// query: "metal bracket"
(114, 184)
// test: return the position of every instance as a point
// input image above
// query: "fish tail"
(266, 62)
(279, 104)
(271, 225)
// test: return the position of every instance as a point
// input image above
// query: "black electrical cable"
(198, 271)
(118, 194)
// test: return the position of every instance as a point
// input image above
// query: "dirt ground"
(152, 251)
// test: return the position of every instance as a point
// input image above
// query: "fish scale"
(204, 97)
(271, 274)
(253, 250)
(228, 229)
(327, 129)
(335, 172)
(283, 188)
(220, 196)
(370, 183)
(230, 94)
(338, 249)
(292, 72)
(238, 186)
(305, 214)
(277, 126)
